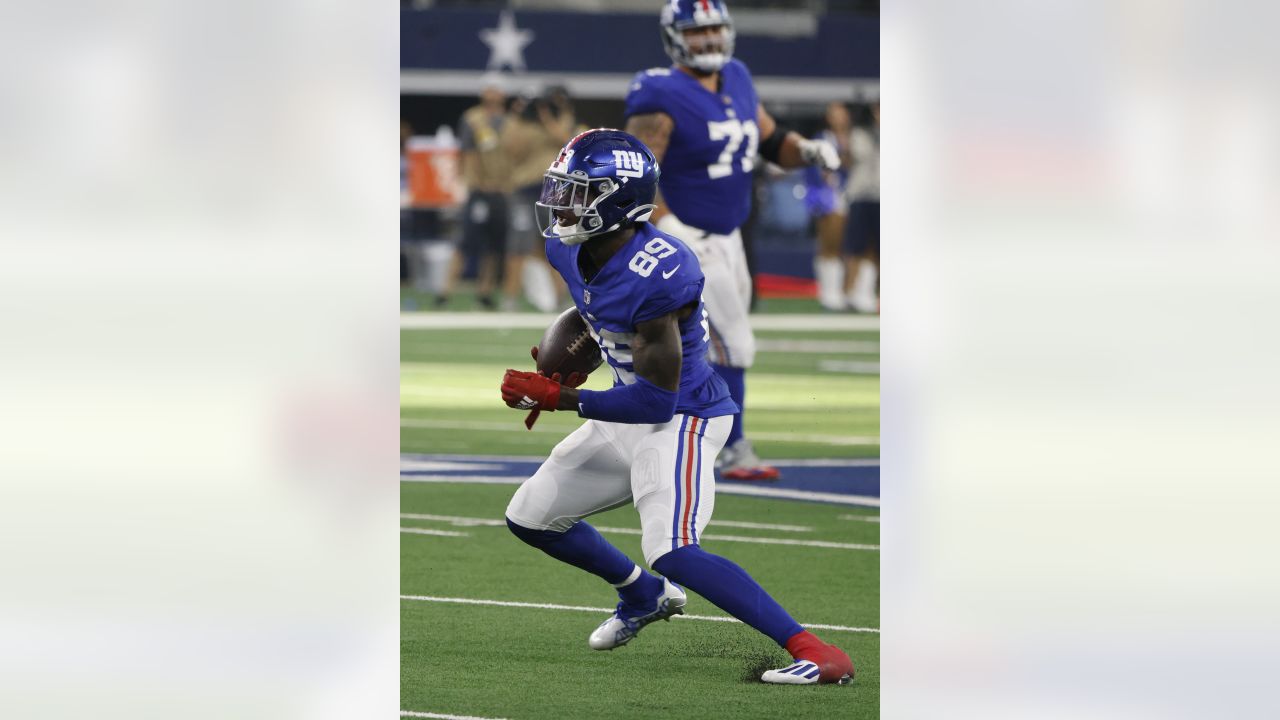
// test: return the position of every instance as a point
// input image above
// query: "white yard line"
(478, 320)
(797, 462)
(428, 531)
(788, 494)
(469, 521)
(852, 367)
(484, 426)
(723, 488)
(853, 440)
(515, 424)
(455, 520)
(816, 346)
(579, 608)
(863, 518)
(442, 716)
(760, 526)
(465, 522)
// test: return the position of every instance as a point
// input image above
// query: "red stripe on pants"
(688, 482)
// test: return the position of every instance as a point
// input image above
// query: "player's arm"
(656, 354)
(790, 149)
(654, 130)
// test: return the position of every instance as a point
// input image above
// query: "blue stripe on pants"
(675, 523)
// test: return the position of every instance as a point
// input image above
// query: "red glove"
(530, 391)
(575, 379)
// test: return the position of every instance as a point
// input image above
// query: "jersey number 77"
(732, 131)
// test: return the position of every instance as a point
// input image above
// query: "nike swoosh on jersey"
(667, 275)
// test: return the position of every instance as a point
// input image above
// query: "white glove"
(820, 153)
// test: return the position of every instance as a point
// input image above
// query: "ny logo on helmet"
(629, 162)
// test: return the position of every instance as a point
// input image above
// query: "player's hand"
(820, 153)
(574, 380)
(529, 391)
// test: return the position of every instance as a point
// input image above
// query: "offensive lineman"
(652, 438)
(704, 122)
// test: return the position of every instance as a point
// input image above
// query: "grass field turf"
(449, 401)
(534, 663)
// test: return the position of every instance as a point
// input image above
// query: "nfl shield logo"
(586, 296)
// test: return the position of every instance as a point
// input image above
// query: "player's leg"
(827, 265)
(732, 325)
(585, 474)
(676, 502)
(864, 227)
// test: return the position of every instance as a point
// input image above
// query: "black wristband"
(771, 147)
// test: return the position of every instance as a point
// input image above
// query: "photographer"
(537, 127)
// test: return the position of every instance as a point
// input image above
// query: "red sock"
(831, 660)
(802, 641)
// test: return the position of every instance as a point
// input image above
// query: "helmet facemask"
(568, 208)
(708, 51)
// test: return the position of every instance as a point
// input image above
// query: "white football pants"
(665, 470)
(727, 292)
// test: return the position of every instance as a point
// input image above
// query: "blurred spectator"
(486, 171)
(536, 130)
(863, 232)
(826, 202)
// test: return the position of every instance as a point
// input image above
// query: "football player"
(652, 438)
(705, 124)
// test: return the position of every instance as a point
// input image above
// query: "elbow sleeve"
(639, 403)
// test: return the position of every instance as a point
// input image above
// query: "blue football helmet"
(602, 180)
(706, 54)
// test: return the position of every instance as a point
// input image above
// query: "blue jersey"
(706, 172)
(652, 275)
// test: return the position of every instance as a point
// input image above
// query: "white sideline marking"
(721, 488)
(469, 521)
(486, 426)
(428, 531)
(816, 346)
(442, 465)
(442, 716)
(805, 462)
(579, 608)
(863, 518)
(467, 479)
(477, 320)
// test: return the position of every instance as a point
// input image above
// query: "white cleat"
(625, 623)
(800, 672)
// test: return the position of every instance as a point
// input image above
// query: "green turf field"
(801, 404)
(812, 394)
(515, 662)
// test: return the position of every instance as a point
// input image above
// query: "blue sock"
(736, 379)
(582, 546)
(729, 588)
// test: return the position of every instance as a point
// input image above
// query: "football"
(567, 347)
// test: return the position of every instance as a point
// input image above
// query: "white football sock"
(635, 575)
(863, 295)
(830, 275)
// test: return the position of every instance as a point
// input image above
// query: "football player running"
(705, 124)
(652, 438)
